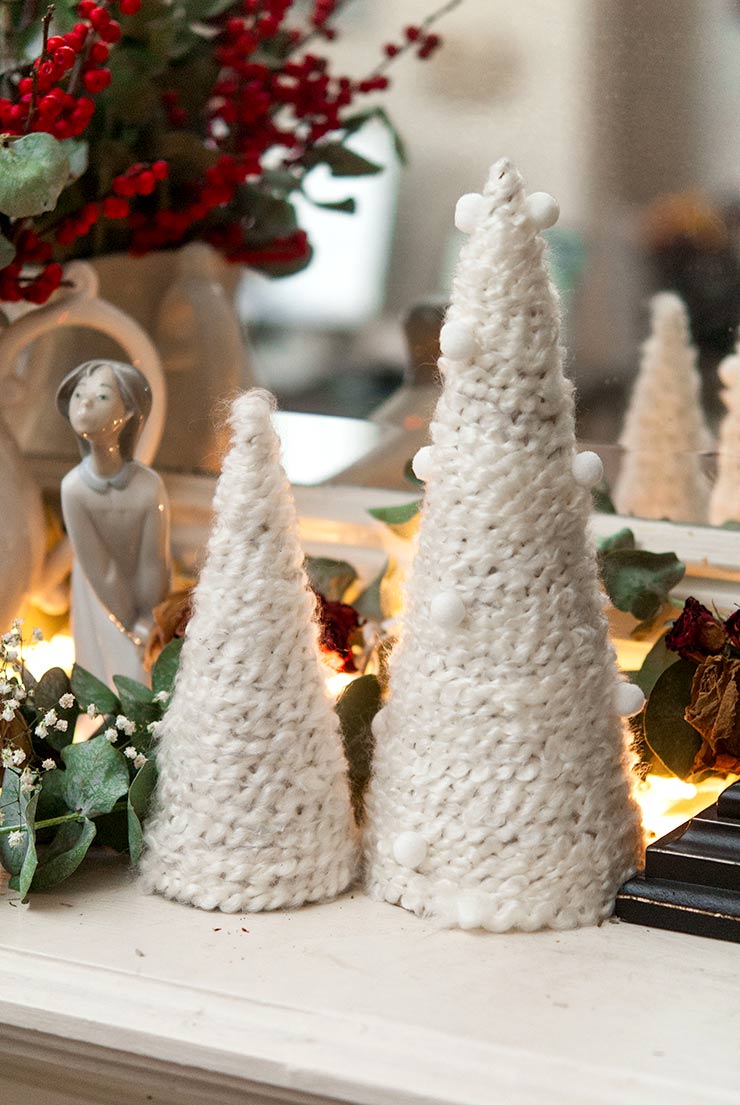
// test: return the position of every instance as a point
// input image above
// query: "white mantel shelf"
(108, 997)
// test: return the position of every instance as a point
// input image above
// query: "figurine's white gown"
(122, 511)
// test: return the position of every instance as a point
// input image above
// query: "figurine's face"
(96, 409)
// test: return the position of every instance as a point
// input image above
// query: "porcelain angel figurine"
(117, 517)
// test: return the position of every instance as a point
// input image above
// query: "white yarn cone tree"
(252, 809)
(724, 502)
(664, 430)
(501, 795)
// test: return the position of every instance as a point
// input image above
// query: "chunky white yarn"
(501, 795)
(724, 502)
(252, 809)
(664, 430)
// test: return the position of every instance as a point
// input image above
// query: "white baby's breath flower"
(6, 756)
(139, 760)
(67, 701)
(9, 709)
(18, 756)
(111, 734)
(92, 710)
(28, 781)
(61, 725)
(41, 730)
(37, 635)
(161, 696)
(152, 727)
(5, 687)
(130, 752)
(48, 765)
(125, 725)
(20, 693)
(12, 653)
(50, 717)
(15, 838)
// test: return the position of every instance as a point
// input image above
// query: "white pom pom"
(469, 210)
(457, 341)
(629, 699)
(422, 463)
(588, 470)
(377, 725)
(410, 850)
(543, 210)
(447, 609)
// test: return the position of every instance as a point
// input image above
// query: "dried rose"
(696, 633)
(171, 617)
(732, 628)
(714, 711)
(338, 623)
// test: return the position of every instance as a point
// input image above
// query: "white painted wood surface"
(112, 998)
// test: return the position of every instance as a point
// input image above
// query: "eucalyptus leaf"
(165, 667)
(667, 732)
(356, 708)
(348, 206)
(401, 519)
(356, 122)
(13, 804)
(7, 252)
(52, 796)
(622, 539)
(33, 171)
(370, 602)
(53, 684)
(89, 691)
(638, 581)
(63, 856)
(96, 776)
(139, 796)
(331, 578)
(30, 859)
(658, 660)
(602, 500)
(77, 154)
(136, 701)
(340, 160)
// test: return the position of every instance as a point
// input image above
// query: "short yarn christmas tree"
(252, 809)
(501, 795)
(664, 430)
(724, 502)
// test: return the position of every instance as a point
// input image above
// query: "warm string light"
(58, 652)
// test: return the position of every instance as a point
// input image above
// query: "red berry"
(412, 33)
(96, 80)
(54, 43)
(129, 7)
(112, 32)
(98, 53)
(115, 208)
(100, 18)
(161, 170)
(146, 183)
(85, 8)
(390, 49)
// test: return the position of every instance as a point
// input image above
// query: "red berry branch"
(234, 120)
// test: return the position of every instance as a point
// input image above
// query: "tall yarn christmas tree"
(724, 503)
(501, 795)
(252, 809)
(664, 431)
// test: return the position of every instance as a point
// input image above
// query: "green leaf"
(667, 732)
(349, 206)
(356, 708)
(340, 160)
(356, 122)
(622, 539)
(401, 519)
(331, 578)
(53, 684)
(52, 799)
(33, 171)
(165, 668)
(129, 690)
(13, 806)
(96, 776)
(638, 581)
(7, 251)
(602, 500)
(63, 856)
(89, 691)
(139, 796)
(30, 859)
(370, 602)
(658, 660)
(77, 155)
